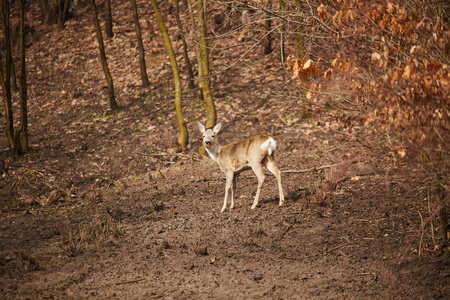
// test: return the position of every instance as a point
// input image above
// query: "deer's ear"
(217, 128)
(201, 127)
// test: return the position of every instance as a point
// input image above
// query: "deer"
(252, 153)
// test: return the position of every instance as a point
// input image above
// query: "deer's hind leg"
(269, 163)
(233, 189)
(257, 169)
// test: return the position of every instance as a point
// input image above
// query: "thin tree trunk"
(52, 15)
(442, 214)
(301, 54)
(282, 29)
(203, 71)
(9, 58)
(66, 9)
(204, 67)
(108, 19)
(63, 10)
(56, 13)
(300, 42)
(143, 68)
(183, 137)
(267, 41)
(8, 109)
(5, 79)
(13, 74)
(191, 14)
(101, 47)
(59, 17)
(185, 50)
(197, 48)
(22, 132)
(44, 8)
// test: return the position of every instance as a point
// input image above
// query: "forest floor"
(104, 206)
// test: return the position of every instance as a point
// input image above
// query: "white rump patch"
(269, 146)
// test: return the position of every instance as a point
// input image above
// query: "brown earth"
(103, 206)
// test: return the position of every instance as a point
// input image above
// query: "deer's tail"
(269, 146)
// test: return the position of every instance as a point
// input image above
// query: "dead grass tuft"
(101, 229)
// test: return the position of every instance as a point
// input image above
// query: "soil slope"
(103, 205)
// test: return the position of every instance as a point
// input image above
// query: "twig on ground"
(14, 184)
(421, 236)
(289, 226)
(311, 169)
(318, 254)
(301, 171)
(165, 154)
(34, 171)
(32, 186)
(131, 281)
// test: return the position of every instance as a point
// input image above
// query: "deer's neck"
(214, 152)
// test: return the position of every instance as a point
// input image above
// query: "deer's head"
(210, 135)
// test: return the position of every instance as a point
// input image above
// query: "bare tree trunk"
(6, 88)
(267, 41)
(101, 47)
(22, 132)
(183, 137)
(300, 42)
(143, 68)
(282, 29)
(185, 50)
(191, 14)
(204, 67)
(52, 14)
(13, 73)
(56, 13)
(442, 214)
(108, 19)
(43, 4)
(63, 11)
(5, 79)
(197, 48)
(7, 36)
(59, 14)
(301, 54)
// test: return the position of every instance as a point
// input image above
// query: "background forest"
(106, 190)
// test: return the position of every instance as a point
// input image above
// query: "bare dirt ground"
(103, 206)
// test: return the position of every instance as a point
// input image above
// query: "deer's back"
(239, 154)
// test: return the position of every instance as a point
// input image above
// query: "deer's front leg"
(228, 185)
